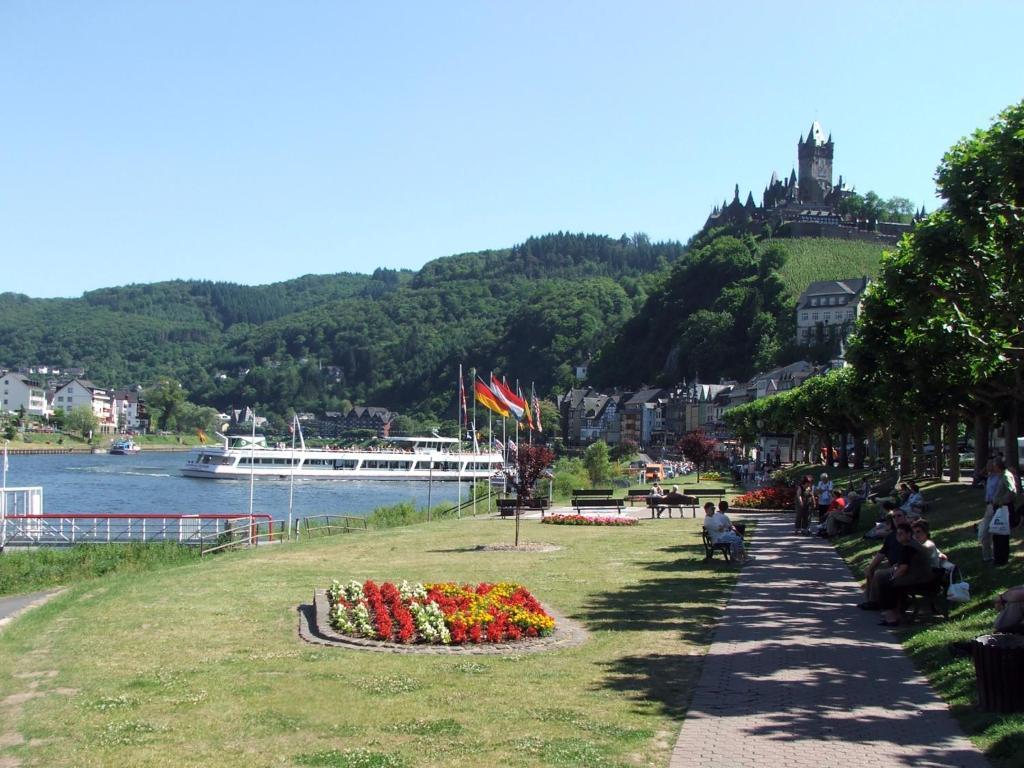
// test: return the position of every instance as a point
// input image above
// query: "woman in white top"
(823, 492)
(922, 535)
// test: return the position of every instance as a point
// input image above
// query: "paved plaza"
(797, 676)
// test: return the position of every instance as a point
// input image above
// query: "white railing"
(86, 528)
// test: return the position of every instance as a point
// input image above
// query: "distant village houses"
(653, 419)
(40, 390)
(334, 424)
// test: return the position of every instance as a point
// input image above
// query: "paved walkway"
(11, 607)
(797, 676)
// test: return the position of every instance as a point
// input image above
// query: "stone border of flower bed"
(314, 627)
(758, 509)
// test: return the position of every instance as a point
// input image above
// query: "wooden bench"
(507, 507)
(718, 493)
(710, 547)
(680, 503)
(592, 493)
(579, 504)
(934, 592)
(637, 495)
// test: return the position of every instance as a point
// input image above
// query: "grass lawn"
(955, 508)
(200, 664)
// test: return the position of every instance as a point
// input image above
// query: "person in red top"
(837, 516)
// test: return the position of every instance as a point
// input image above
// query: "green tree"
(81, 419)
(164, 401)
(595, 459)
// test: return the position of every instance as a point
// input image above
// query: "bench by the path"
(580, 504)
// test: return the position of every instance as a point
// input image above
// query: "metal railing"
(66, 529)
(331, 525)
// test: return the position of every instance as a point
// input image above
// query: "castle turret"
(815, 162)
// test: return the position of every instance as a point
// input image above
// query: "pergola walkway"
(797, 676)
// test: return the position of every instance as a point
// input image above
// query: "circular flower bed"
(560, 519)
(775, 497)
(444, 613)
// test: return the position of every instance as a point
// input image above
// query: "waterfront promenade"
(797, 676)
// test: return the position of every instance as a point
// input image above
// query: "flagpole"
(460, 395)
(252, 469)
(291, 483)
(3, 505)
(476, 450)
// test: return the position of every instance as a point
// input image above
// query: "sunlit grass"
(201, 664)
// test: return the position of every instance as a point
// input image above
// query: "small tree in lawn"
(697, 447)
(528, 465)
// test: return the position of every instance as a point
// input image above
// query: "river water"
(149, 483)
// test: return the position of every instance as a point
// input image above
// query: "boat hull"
(228, 473)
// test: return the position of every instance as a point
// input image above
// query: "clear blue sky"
(259, 141)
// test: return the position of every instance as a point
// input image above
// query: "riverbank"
(58, 450)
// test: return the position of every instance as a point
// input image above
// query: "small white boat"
(403, 458)
(124, 447)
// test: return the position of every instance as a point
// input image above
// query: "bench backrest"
(632, 492)
(592, 492)
(592, 502)
(673, 501)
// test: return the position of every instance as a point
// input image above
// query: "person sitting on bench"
(655, 499)
(722, 531)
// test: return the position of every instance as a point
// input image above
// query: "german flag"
(486, 398)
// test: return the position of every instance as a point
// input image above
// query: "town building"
(21, 391)
(335, 424)
(82, 392)
(828, 309)
(129, 410)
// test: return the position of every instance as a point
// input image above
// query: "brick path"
(797, 676)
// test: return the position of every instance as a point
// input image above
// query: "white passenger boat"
(404, 458)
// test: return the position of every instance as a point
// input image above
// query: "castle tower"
(815, 163)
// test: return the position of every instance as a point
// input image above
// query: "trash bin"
(999, 669)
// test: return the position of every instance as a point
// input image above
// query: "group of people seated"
(907, 560)
(837, 509)
(659, 501)
(722, 531)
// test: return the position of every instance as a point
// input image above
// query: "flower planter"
(438, 613)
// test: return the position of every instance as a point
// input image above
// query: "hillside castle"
(807, 204)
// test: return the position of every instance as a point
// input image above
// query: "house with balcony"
(129, 410)
(21, 391)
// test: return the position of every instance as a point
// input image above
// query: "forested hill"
(391, 338)
(727, 310)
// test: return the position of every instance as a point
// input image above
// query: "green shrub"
(569, 474)
(42, 568)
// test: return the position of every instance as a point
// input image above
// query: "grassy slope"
(954, 511)
(143, 660)
(810, 259)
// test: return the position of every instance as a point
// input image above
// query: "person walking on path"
(796, 682)
(992, 479)
(1005, 496)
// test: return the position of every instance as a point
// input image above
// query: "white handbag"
(958, 591)
(1000, 523)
